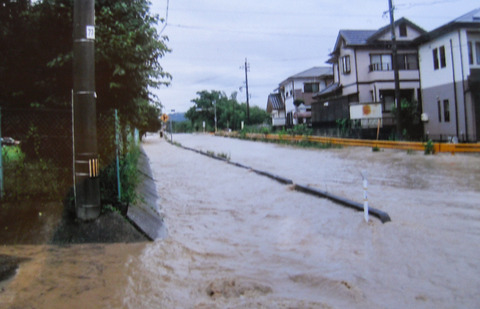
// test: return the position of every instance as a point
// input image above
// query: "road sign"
(164, 118)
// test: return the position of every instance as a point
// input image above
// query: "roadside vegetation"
(230, 113)
(302, 131)
(32, 179)
(128, 50)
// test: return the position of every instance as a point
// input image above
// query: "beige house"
(364, 84)
(294, 96)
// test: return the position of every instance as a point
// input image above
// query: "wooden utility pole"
(395, 70)
(86, 169)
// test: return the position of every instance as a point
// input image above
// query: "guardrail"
(415, 146)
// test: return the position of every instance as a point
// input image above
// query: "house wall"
(474, 37)
(348, 79)
(294, 90)
(412, 34)
(371, 82)
(447, 83)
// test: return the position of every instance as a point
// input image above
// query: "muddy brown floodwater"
(240, 240)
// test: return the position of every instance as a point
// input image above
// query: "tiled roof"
(314, 72)
(468, 20)
(387, 28)
(356, 37)
(366, 37)
(470, 17)
(275, 102)
(331, 89)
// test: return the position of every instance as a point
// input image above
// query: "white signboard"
(366, 111)
(91, 32)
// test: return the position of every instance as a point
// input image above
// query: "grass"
(12, 154)
(224, 156)
(301, 143)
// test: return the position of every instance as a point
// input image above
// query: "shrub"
(429, 147)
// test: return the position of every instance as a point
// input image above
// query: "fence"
(41, 165)
(417, 146)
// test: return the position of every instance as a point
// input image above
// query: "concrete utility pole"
(247, 67)
(86, 169)
(395, 69)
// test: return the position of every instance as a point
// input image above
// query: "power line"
(166, 18)
(252, 32)
(430, 3)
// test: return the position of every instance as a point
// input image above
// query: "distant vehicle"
(8, 141)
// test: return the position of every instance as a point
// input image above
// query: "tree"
(128, 54)
(410, 119)
(128, 51)
(230, 113)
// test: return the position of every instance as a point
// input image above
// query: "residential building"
(450, 78)
(293, 97)
(276, 108)
(364, 83)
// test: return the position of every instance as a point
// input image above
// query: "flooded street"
(240, 240)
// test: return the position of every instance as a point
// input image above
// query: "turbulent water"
(240, 240)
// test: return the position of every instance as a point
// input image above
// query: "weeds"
(129, 178)
(429, 147)
(224, 156)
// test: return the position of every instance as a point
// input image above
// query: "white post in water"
(365, 196)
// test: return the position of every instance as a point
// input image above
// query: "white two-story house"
(450, 75)
(364, 84)
(293, 97)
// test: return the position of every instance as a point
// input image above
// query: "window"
(443, 61)
(346, 64)
(388, 99)
(477, 51)
(311, 87)
(439, 58)
(381, 62)
(407, 62)
(470, 53)
(446, 111)
(435, 59)
(439, 106)
(403, 30)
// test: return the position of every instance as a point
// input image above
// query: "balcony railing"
(380, 67)
(388, 67)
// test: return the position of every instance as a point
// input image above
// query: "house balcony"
(377, 74)
(388, 67)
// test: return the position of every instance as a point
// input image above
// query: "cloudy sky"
(210, 39)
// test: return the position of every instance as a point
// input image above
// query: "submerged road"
(238, 239)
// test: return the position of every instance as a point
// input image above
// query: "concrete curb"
(383, 216)
(144, 214)
(280, 179)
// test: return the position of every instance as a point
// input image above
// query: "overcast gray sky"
(210, 39)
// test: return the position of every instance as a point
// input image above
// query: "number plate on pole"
(91, 32)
